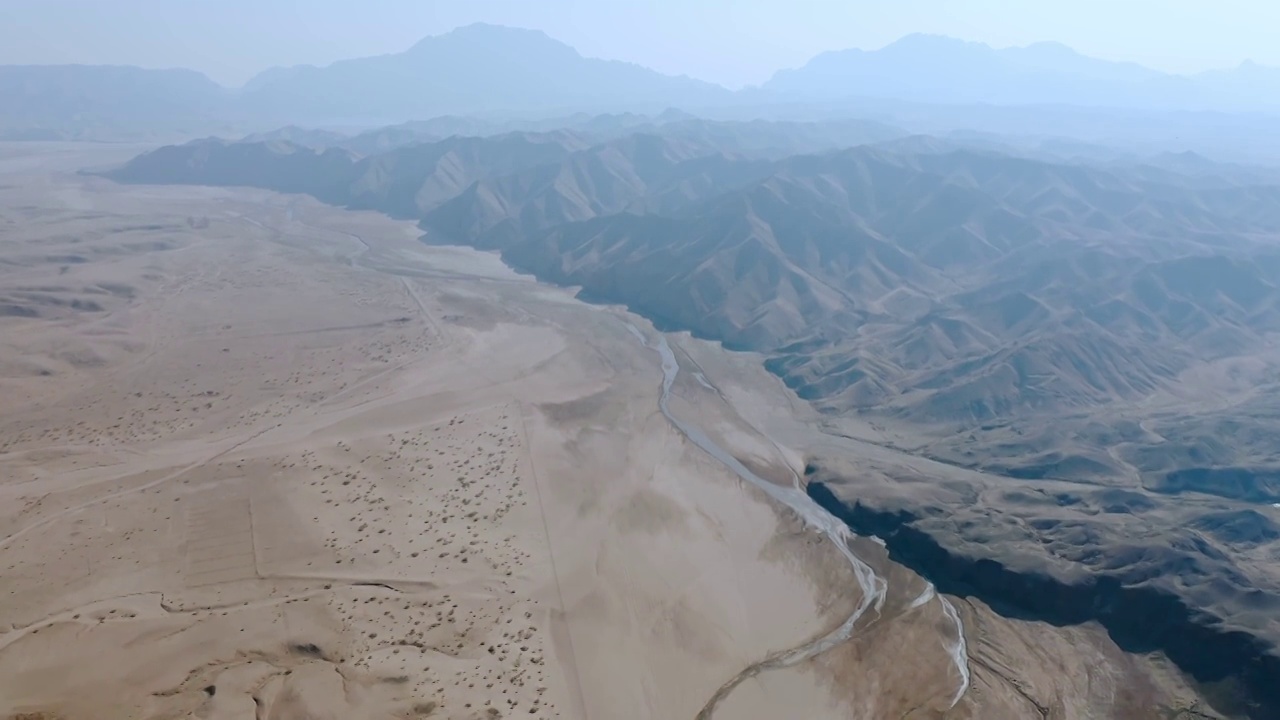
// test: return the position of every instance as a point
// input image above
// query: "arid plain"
(262, 458)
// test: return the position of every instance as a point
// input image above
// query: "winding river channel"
(874, 588)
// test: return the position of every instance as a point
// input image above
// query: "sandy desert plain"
(262, 458)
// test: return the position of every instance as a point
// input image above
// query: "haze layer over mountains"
(495, 70)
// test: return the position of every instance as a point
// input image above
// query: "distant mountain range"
(935, 69)
(51, 102)
(485, 69)
(474, 69)
(867, 264)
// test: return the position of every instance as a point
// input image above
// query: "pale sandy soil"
(265, 459)
(273, 473)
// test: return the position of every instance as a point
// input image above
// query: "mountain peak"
(1253, 67)
(937, 68)
(483, 29)
(469, 70)
(487, 34)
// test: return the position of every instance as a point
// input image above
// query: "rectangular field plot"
(219, 538)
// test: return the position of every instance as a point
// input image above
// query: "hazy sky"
(734, 42)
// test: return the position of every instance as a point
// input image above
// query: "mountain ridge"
(937, 68)
(497, 69)
(492, 68)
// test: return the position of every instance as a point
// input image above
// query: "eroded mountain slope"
(1082, 357)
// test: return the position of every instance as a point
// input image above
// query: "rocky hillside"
(1071, 366)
